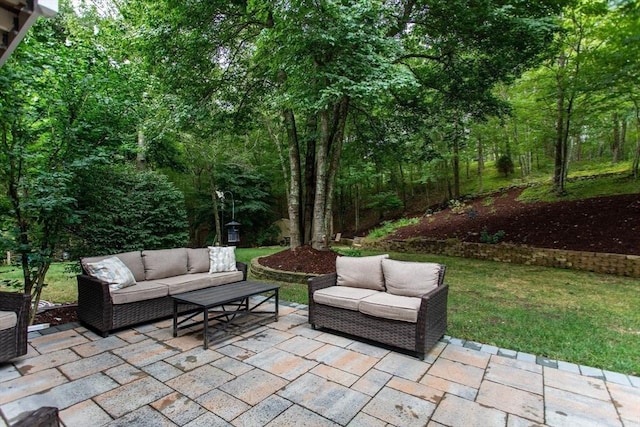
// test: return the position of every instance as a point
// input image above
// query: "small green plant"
(505, 166)
(486, 237)
(388, 227)
(349, 251)
(457, 206)
(488, 201)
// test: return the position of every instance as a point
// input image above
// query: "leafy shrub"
(123, 209)
(388, 227)
(486, 237)
(505, 166)
(349, 251)
(458, 206)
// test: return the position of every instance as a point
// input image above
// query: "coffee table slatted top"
(222, 294)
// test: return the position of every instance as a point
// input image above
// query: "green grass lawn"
(579, 317)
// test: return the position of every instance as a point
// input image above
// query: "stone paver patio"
(287, 374)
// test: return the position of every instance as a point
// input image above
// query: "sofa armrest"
(241, 266)
(432, 316)
(314, 284)
(95, 306)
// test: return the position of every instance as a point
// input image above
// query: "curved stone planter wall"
(261, 272)
(622, 265)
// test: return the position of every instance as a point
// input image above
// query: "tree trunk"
(295, 196)
(309, 188)
(615, 145)
(480, 165)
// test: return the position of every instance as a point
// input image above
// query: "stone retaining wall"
(261, 272)
(623, 265)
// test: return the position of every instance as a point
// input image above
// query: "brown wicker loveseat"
(14, 320)
(105, 305)
(401, 304)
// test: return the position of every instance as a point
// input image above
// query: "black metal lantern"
(233, 232)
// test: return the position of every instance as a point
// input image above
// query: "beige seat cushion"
(133, 261)
(8, 320)
(410, 279)
(197, 260)
(162, 263)
(342, 296)
(191, 282)
(361, 272)
(389, 306)
(139, 292)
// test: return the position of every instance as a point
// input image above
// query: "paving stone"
(20, 387)
(281, 363)
(35, 364)
(306, 331)
(288, 322)
(132, 396)
(57, 341)
(457, 342)
(467, 375)
(336, 375)
(208, 420)
(519, 364)
(144, 416)
(491, 349)
(579, 384)
(568, 367)
(403, 366)
(507, 353)
(90, 365)
(450, 387)
(199, 381)
(62, 396)
(564, 408)
(299, 346)
(435, 352)
(592, 372)
(235, 352)
(297, 416)
(232, 366)
(399, 409)
(416, 389)
(263, 340)
(132, 336)
(473, 345)
(99, 346)
(635, 381)
(253, 386)
(466, 356)
(511, 400)
(162, 371)
(616, 377)
(334, 339)
(341, 358)
(366, 420)
(526, 357)
(456, 411)
(8, 372)
(222, 404)
(368, 349)
(263, 412)
(334, 401)
(186, 342)
(516, 421)
(125, 373)
(627, 402)
(371, 382)
(83, 414)
(543, 361)
(178, 408)
(514, 377)
(145, 352)
(191, 359)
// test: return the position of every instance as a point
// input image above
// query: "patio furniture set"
(396, 303)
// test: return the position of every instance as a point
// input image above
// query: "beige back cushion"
(410, 279)
(112, 271)
(361, 272)
(198, 260)
(162, 263)
(8, 319)
(133, 261)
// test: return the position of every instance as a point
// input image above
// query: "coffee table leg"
(175, 319)
(205, 314)
(277, 299)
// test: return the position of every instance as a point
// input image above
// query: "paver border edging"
(261, 272)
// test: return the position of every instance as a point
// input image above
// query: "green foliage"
(486, 237)
(583, 188)
(122, 209)
(505, 166)
(349, 251)
(384, 202)
(388, 227)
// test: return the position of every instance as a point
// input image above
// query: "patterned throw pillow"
(113, 271)
(222, 259)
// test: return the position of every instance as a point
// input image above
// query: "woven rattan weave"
(13, 341)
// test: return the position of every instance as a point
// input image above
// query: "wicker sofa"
(104, 305)
(14, 320)
(401, 304)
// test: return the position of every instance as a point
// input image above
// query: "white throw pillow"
(222, 259)
(113, 271)
(410, 279)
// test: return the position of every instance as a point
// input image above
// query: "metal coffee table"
(224, 303)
